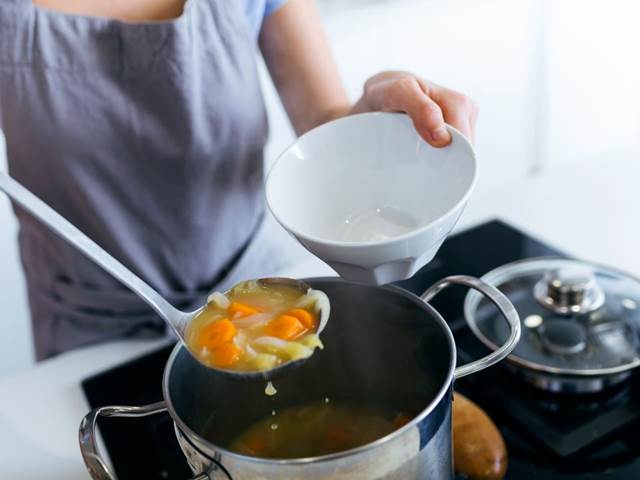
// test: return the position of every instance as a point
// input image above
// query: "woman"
(142, 122)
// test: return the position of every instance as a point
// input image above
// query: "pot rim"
(471, 302)
(337, 455)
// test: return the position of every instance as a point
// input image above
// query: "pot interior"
(383, 347)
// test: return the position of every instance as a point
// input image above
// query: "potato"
(479, 451)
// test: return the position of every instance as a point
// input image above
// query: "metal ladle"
(177, 319)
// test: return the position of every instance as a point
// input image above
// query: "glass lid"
(578, 318)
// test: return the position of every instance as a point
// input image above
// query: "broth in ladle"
(257, 326)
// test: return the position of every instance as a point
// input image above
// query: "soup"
(315, 429)
(257, 326)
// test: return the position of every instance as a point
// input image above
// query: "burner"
(548, 436)
(567, 427)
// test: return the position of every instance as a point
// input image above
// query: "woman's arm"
(297, 54)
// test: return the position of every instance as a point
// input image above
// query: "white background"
(556, 81)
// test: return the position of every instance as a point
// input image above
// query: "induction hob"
(548, 436)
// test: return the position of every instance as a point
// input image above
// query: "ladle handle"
(97, 467)
(73, 235)
(499, 300)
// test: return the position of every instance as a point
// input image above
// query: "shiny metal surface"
(562, 337)
(568, 383)
(406, 361)
(576, 344)
(416, 374)
(504, 273)
(176, 319)
(93, 459)
(500, 301)
(569, 290)
(396, 462)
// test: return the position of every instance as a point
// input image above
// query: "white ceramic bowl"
(366, 195)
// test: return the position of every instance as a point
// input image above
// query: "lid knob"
(569, 290)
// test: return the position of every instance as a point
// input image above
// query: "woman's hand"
(429, 105)
(297, 54)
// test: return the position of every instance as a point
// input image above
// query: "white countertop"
(588, 210)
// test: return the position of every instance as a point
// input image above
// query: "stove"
(548, 436)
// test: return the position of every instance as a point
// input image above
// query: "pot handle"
(499, 300)
(92, 457)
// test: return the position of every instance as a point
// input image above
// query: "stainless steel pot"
(382, 345)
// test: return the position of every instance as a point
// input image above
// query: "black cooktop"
(548, 436)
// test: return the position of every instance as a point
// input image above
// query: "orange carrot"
(255, 444)
(400, 421)
(303, 315)
(285, 327)
(226, 355)
(241, 309)
(337, 438)
(217, 333)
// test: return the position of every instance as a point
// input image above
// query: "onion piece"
(312, 341)
(261, 361)
(240, 339)
(253, 321)
(220, 300)
(265, 361)
(276, 346)
(246, 287)
(250, 352)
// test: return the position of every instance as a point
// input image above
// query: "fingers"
(428, 118)
(406, 95)
(429, 105)
(475, 111)
(459, 110)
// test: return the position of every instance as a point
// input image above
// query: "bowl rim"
(370, 243)
(439, 396)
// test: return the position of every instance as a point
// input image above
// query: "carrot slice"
(241, 309)
(255, 444)
(303, 315)
(337, 438)
(400, 421)
(217, 333)
(226, 355)
(285, 327)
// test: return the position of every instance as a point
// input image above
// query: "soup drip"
(270, 390)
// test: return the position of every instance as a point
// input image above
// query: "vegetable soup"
(315, 429)
(257, 326)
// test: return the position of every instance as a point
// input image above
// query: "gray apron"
(149, 138)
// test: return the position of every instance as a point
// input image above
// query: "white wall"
(593, 60)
